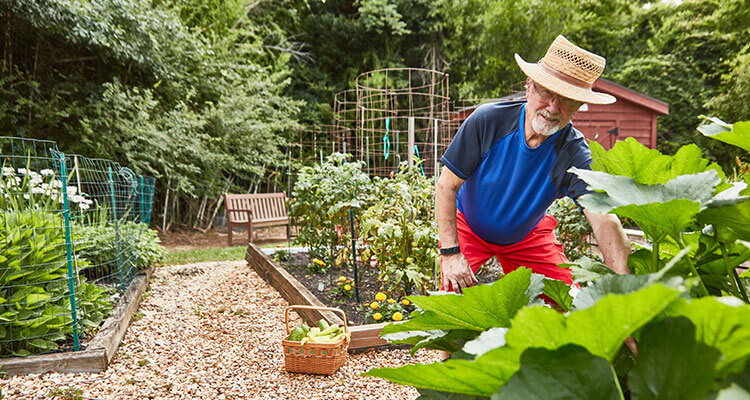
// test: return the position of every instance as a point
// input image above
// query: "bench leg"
(229, 234)
(249, 231)
(288, 235)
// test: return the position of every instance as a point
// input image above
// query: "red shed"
(633, 115)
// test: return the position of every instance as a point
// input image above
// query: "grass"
(189, 256)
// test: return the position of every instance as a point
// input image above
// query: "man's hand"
(457, 274)
(612, 240)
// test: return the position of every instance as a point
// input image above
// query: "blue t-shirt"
(508, 185)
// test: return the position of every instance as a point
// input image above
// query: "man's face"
(549, 112)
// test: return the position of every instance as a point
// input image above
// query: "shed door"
(603, 132)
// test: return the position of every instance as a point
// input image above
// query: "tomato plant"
(320, 204)
(399, 230)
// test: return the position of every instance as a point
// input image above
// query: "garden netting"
(70, 244)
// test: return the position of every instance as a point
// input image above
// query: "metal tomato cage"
(400, 114)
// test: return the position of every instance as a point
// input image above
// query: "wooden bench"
(255, 210)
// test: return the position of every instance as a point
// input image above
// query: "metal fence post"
(69, 252)
(117, 230)
(142, 200)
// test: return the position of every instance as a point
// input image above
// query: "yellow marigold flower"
(405, 302)
(340, 283)
(347, 287)
(391, 301)
(377, 316)
(319, 262)
(374, 305)
(380, 296)
(348, 281)
(397, 316)
(342, 279)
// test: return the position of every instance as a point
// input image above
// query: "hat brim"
(559, 86)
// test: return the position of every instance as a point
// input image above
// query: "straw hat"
(569, 71)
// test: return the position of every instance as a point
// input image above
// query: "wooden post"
(410, 143)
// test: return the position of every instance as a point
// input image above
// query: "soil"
(321, 285)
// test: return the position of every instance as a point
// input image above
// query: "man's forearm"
(445, 209)
(613, 242)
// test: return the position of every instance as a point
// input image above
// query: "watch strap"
(450, 250)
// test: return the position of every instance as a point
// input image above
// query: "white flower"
(8, 171)
(37, 190)
(76, 198)
(57, 183)
(23, 171)
(83, 206)
(26, 196)
(87, 201)
(72, 190)
(47, 172)
(45, 186)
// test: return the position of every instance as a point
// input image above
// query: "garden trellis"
(70, 244)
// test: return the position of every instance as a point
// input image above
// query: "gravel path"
(212, 331)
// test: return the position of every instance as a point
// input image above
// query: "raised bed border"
(99, 351)
(363, 336)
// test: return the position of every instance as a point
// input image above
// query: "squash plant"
(400, 233)
(321, 199)
(681, 202)
(504, 346)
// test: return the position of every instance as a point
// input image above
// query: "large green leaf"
(603, 328)
(488, 340)
(478, 308)
(632, 159)
(609, 284)
(723, 323)
(427, 394)
(567, 373)
(585, 269)
(671, 364)
(730, 218)
(667, 208)
(737, 134)
(455, 376)
(558, 292)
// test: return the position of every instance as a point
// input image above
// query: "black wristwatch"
(450, 250)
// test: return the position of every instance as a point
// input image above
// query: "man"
(509, 162)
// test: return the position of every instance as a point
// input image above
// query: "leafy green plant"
(682, 203)
(573, 229)
(35, 312)
(320, 203)
(399, 231)
(504, 349)
(98, 245)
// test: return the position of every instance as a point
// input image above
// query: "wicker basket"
(314, 358)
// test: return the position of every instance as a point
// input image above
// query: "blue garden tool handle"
(386, 139)
(416, 151)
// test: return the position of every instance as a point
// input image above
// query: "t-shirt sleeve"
(465, 151)
(580, 159)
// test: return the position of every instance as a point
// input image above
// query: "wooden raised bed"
(363, 336)
(99, 351)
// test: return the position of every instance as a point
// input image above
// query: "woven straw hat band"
(572, 64)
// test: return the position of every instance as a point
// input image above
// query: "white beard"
(544, 127)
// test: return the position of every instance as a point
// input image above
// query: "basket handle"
(290, 308)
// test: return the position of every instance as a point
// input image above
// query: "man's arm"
(612, 241)
(457, 273)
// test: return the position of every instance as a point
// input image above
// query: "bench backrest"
(265, 206)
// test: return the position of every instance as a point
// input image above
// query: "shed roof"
(621, 92)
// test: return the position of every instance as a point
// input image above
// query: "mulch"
(213, 331)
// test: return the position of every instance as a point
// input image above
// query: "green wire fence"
(72, 234)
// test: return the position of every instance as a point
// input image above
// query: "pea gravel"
(213, 331)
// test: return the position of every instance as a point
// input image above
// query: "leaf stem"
(695, 271)
(655, 253)
(732, 273)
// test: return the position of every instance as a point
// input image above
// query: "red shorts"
(539, 250)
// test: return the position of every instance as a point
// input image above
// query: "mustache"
(546, 114)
